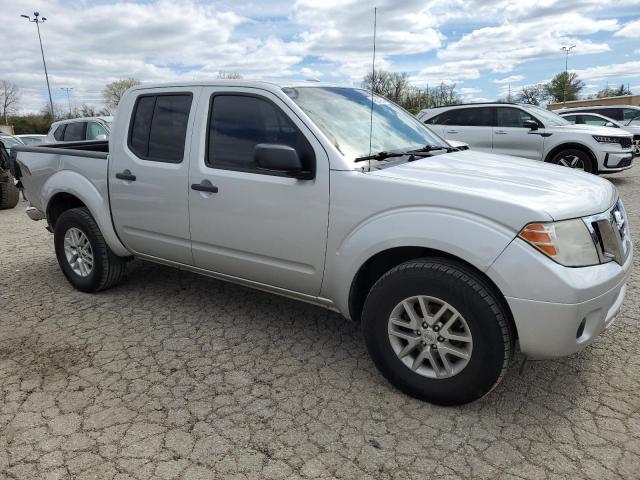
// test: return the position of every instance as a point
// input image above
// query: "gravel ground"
(172, 375)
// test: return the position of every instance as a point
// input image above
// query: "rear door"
(258, 225)
(149, 173)
(471, 125)
(511, 137)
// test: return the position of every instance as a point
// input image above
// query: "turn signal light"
(541, 236)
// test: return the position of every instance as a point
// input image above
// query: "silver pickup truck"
(325, 194)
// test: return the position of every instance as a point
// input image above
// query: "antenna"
(373, 80)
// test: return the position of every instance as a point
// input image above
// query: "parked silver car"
(80, 129)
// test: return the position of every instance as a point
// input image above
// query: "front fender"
(476, 240)
(72, 183)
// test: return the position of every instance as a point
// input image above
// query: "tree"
(613, 92)
(532, 94)
(9, 99)
(112, 92)
(564, 87)
(379, 81)
(224, 75)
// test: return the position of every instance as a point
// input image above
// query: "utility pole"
(38, 21)
(566, 71)
(68, 89)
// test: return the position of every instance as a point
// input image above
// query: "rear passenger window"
(159, 126)
(237, 123)
(58, 134)
(74, 132)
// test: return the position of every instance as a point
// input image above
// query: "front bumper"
(617, 161)
(558, 310)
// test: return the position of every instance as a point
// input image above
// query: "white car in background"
(532, 132)
(601, 120)
(80, 129)
(32, 138)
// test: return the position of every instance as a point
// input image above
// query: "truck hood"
(532, 188)
(593, 130)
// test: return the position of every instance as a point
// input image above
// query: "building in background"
(620, 100)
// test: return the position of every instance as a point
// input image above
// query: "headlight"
(604, 139)
(567, 242)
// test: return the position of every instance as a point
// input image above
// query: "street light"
(566, 71)
(68, 89)
(38, 21)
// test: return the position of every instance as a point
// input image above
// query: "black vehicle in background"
(9, 192)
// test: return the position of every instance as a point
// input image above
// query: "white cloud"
(629, 30)
(614, 71)
(510, 79)
(469, 91)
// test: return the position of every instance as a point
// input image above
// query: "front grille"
(610, 233)
(625, 142)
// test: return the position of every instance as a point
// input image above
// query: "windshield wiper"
(431, 148)
(381, 156)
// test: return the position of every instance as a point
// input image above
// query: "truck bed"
(42, 169)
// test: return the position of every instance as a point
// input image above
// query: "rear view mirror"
(279, 158)
(530, 124)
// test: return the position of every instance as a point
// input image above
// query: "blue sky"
(481, 46)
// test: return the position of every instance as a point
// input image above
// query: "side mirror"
(102, 136)
(609, 124)
(280, 158)
(530, 124)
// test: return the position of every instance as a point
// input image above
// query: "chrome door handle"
(452, 131)
(500, 132)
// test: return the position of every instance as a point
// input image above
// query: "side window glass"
(591, 120)
(58, 134)
(74, 132)
(237, 123)
(570, 118)
(615, 113)
(159, 127)
(512, 117)
(94, 130)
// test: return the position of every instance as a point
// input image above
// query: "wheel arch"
(573, 145)
(66, 190)
(380, 263)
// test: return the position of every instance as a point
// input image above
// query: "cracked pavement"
(173, 375)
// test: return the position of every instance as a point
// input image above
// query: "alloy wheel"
(430, 337)
(78, 251)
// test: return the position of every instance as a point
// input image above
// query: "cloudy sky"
(481, 45)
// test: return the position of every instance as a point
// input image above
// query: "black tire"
(472, 297)
(583, 159)
(9, 193)
(108, 269)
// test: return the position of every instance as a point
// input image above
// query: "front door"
(253, 224)
(511, 137)
(149, 173)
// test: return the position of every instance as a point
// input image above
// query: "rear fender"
(72, 183)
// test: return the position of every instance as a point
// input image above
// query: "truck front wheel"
(437, 331)
(84, 257)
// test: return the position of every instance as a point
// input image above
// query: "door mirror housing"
(531, 124)
(609, 124)
(102, 136)
(280, 158)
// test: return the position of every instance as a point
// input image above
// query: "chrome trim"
(610, 234)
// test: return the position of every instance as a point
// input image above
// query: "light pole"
(68, 89)
(566, 71)
(38, 21)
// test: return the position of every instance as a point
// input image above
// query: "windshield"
(344, 116)
(549, 119)
(10, 142)
(631, 116)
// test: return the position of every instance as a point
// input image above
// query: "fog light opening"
(581, 328)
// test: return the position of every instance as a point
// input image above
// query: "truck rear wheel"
(84, 257)
(437, 331)
(9, 193)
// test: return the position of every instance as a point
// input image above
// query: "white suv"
(80, 129)
(532, 132)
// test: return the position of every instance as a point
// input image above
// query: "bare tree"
(113, 92)
(9, 99)
(225, 75)
(379, 81)
(532, 94)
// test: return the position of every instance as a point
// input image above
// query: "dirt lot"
(172, 375)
